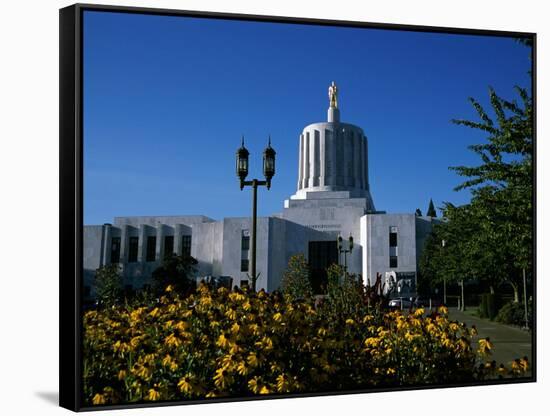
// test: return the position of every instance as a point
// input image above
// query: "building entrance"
(321, 255)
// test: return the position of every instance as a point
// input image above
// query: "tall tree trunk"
(516, 292)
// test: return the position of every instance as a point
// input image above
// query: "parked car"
(400, 303)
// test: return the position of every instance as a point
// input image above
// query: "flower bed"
(223, 343)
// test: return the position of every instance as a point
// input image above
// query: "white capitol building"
(332, 199)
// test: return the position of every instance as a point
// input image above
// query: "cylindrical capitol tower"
(333, 157)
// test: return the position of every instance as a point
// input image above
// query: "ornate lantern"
(269, 163)
(242, 163)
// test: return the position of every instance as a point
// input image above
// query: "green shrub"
(296, 283)
(513, 313)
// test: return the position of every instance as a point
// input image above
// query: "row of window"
(150, 249)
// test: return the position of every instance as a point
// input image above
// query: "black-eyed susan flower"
(153, 395)
(98, 399)
(186, 383)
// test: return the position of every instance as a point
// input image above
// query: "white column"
(177, 239)
(160, 242)
(142, 243)
(322, 159)
(301, 162)
(316, 157)
(306, 161)
(124, 244)
(106, 258)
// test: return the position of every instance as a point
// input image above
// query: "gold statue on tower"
(333, 95)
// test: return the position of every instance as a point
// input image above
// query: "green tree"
(296, 280)
(502, 185)
(491, 238)
(108, 284)
(431, 210)
(176, 271)
(418, 213)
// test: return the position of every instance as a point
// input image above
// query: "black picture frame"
(71, 192)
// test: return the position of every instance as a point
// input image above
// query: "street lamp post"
(342, 250)
(242, 173)
(444, 280)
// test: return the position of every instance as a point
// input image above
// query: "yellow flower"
(155, 312)
(222, 378)
(277, 317)
(265, 343)
(236, 296)
(121, 347)
(153, 395)
(367, 319)
(141, 371)
(227, 360)
(254, 385)
(186, 383)
(253, 360)
(243, 368)
(205, 301)
(254, 328)
(222, 341)
(350, 321)
(419, 312)
(231, 314)
(170, 363)
(172, 341)
(485, 346)
(443, 310)
(264, 390)
(372, 342)
(169, 288)
(98, 399)
(121, 374)
(235, 328)
(390, 371)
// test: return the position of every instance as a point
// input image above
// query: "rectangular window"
(115, 249)
(151, 248)
(168, 245)
(245, 250)
(245, 243)
(185, 245)
(133, 249)
(393, 236)
(393, 261)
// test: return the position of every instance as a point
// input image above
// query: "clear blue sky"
(166, 100)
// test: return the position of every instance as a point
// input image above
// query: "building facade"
(332, 199)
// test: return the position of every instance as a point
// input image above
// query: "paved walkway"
(510, 342)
